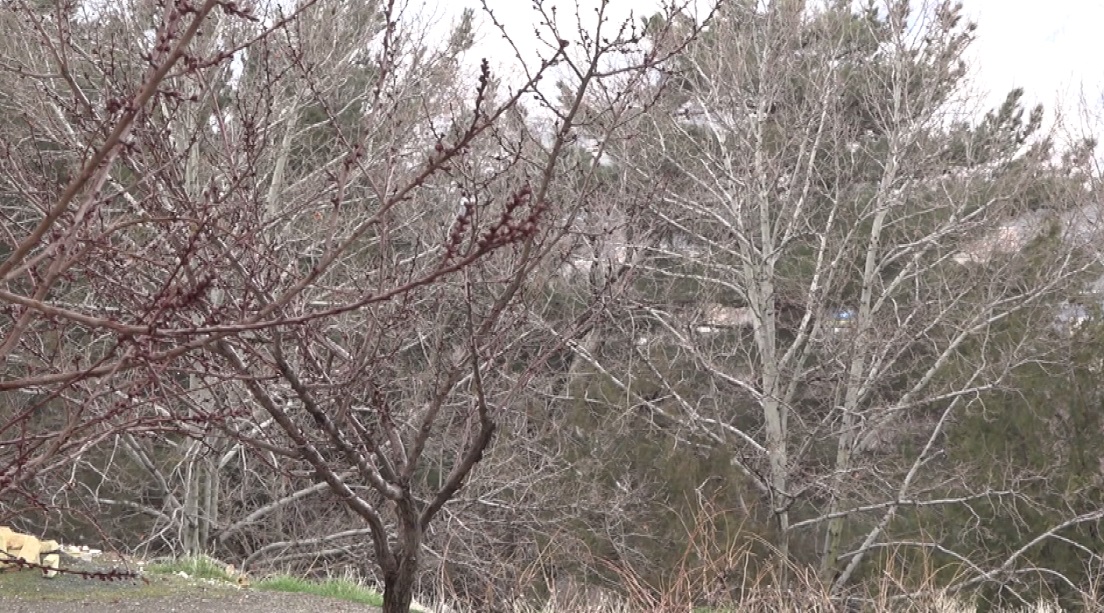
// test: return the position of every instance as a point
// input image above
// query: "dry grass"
(939, 605)
(749, 586)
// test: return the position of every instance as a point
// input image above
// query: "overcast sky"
(1052, 49)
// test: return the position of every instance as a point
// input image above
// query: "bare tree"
(839, 253)
(291, 232)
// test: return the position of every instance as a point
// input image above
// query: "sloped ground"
(28, 592)
(215, 601)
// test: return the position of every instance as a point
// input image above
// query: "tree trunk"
(398, 584)
(401, 570)
(190, 517)
(858, 374)
(212, 484)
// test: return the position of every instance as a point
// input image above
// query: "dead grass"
(732, 579)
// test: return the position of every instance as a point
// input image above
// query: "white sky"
(1054, 49)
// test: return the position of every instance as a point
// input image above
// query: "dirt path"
(28, 592)
(216, 601)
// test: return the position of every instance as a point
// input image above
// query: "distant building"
(1080, 227)
(1008, 238)
(842, 319)
(717, 317)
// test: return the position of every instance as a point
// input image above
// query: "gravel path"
(28, 592)
(214, 601)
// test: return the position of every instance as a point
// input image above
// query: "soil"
(28, 591)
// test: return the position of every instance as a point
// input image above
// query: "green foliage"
(1002, 131)
(659, 476)
(199, 567)
(341, 589)
(1041, 437)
